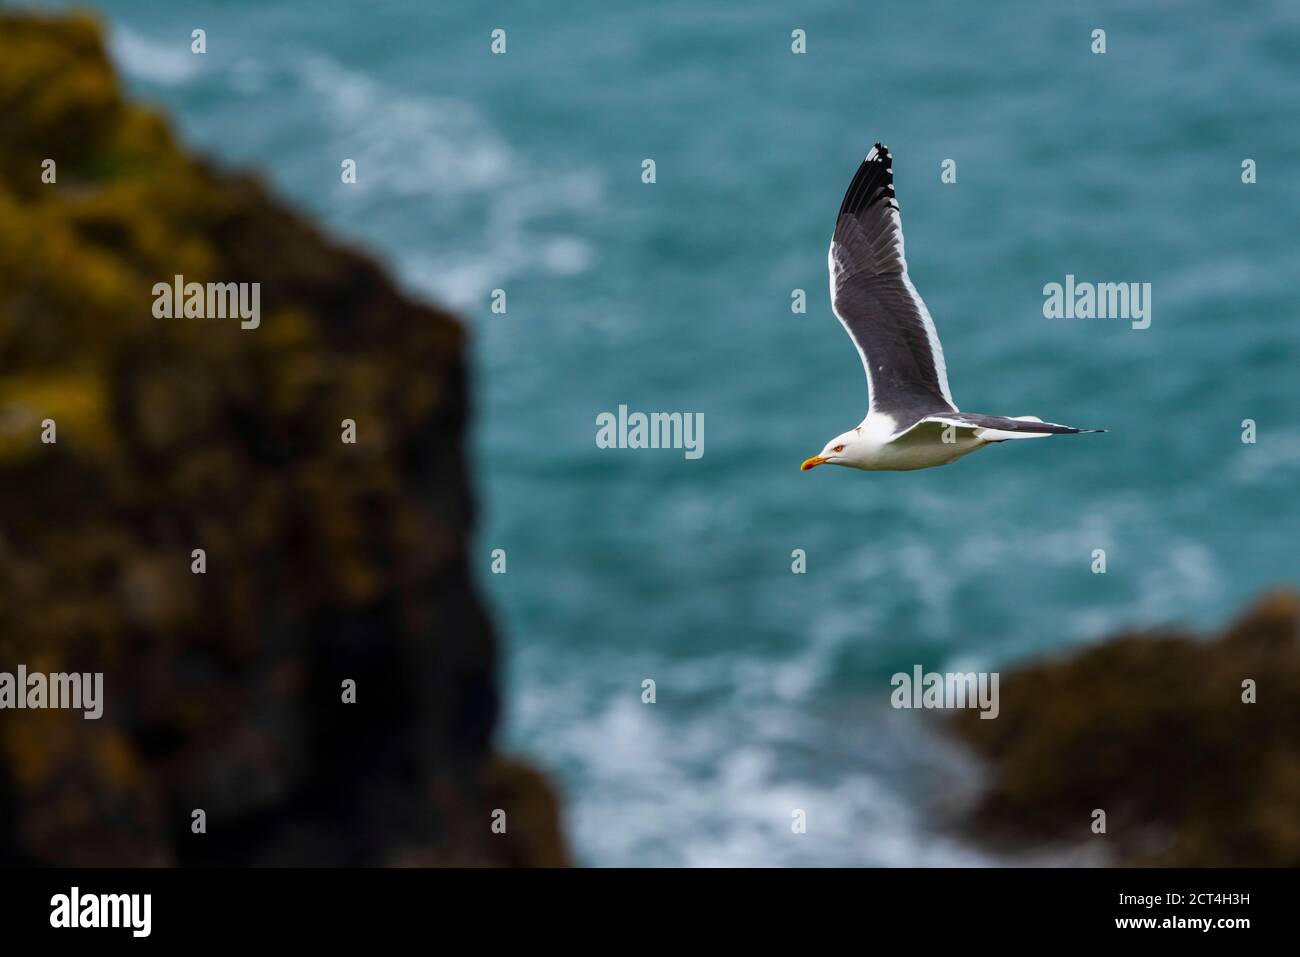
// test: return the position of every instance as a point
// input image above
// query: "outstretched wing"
(995, 428)
(877, 303)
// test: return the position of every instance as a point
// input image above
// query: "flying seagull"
(912, 422)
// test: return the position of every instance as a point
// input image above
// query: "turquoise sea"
(522, 172)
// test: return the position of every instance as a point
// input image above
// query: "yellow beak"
(812, 463)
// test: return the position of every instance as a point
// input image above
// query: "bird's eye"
(838, 448)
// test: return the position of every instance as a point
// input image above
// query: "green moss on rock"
(1152, 729)
(325, 561)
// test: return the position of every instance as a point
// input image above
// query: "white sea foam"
(406, 146)
(717, 787)
(154, 61)
(434, 155)
(482, 198)
(1278, 451)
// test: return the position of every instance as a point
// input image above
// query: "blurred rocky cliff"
(1156, 730)
(325, 561)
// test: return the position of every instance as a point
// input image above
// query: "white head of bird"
(848, 448)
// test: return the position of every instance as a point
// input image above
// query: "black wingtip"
(873, 182)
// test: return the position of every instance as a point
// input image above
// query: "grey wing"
(873, 297)
(1025, 424)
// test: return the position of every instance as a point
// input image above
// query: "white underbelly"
(921, 453)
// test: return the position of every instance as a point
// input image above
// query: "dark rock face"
(325, 561)
(1152, 728)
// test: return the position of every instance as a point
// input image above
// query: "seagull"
(911, 422)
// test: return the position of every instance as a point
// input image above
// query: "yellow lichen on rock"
(324, 562)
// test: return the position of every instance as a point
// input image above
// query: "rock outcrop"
(325, 561)
(1153, 729)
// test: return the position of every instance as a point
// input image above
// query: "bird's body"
(878, 447)
(912, 422)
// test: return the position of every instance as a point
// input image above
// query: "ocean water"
(523, 172)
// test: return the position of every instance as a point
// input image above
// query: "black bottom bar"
(333, 907)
